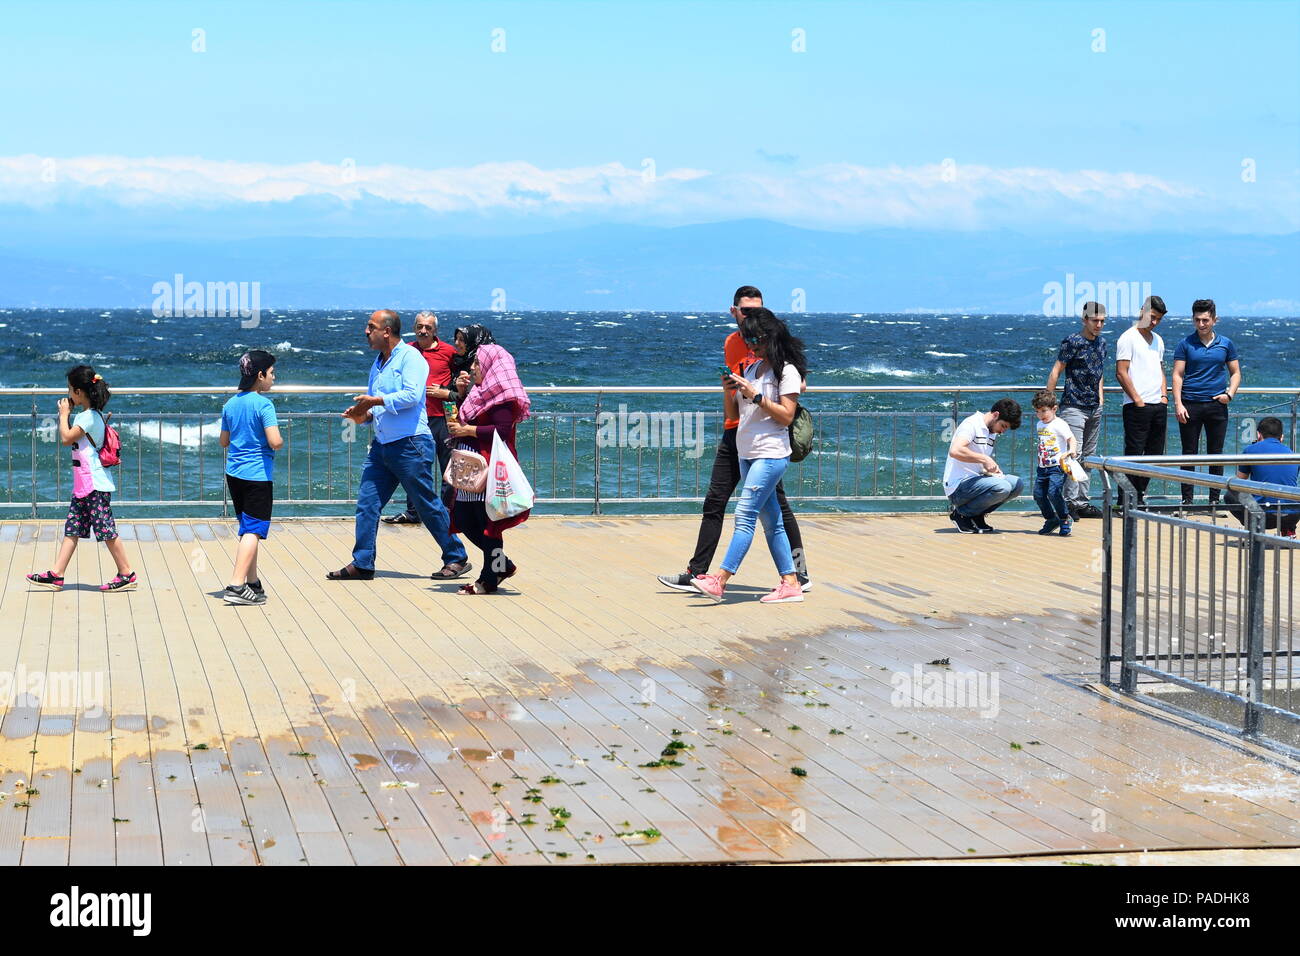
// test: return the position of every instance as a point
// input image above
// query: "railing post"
(34, 420)
(596, 455)
(1128, 608)
(1254, 613)
(1107, 577)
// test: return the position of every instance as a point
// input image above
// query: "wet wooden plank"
(263, 689)
(460, 737)
(475, 703)
(155, 727)
(225, 705)
(91, 840)
(31, 607)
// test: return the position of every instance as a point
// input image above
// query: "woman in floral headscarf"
(466, 341)
(496, 404)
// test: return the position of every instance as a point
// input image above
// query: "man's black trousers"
(1144, 434)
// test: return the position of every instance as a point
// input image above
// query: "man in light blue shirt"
(401, 452)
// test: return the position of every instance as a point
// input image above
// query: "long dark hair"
(782, 348)
(83, 378)
(474, 336)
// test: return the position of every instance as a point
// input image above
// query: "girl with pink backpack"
(95, 447)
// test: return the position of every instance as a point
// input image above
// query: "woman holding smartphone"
(768, 396)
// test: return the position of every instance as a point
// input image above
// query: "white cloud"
(838, 195)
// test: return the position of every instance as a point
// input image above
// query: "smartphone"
(724, 371)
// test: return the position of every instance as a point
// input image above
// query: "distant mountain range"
(687, 268)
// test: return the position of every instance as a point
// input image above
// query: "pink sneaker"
(710, 585)
(784, 594)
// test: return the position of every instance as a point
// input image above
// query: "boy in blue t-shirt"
(250, 433)
(1277, 511)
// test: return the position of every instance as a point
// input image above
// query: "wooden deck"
(392, 721)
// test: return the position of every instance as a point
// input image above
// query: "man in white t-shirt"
(1140, 368)
(972, 480)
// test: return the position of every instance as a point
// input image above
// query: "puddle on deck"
(852, 742)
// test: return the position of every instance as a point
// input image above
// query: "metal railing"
(880, 447)
(1207, 610)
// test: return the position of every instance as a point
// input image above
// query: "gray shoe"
(243, 595)
(678, 582)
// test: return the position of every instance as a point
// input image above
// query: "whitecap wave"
(886, 370)
(947, 354)
(171, 433)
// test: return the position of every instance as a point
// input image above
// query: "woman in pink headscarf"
(496, 404)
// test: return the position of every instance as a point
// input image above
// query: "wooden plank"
(31, 607)
(91, 841)
(246, 808)
(473, 702)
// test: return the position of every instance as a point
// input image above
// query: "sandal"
(47, 579)
(406, 517)
(120, 582)
(350, 573)
(450, 572)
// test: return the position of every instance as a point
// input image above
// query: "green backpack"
(801, 434)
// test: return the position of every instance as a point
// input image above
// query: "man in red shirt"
(437, 389)
(726, 469)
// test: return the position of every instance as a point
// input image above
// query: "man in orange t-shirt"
(726, 469)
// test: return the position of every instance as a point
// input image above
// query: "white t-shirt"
(981, 442)
(1053, 442)
(758, 435)
(87, 473)
(1146, 364)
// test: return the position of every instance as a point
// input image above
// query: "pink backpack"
(111, 452)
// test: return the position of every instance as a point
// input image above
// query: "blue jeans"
(1049, 493)
(408, 462)
(980, 494)
(758, 480)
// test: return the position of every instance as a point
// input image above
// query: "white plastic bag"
(508, 491)
(1075, 470)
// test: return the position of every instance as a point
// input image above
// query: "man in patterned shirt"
(1082, 358)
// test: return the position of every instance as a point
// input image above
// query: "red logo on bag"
(502, 475)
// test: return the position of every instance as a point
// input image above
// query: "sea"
(879, 444)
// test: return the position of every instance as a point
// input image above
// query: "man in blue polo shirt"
(1206, 377)
(401, 452)
(1277, 511)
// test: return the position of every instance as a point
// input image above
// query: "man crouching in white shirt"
(972, 480)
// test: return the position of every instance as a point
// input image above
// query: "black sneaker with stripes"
(242, 594)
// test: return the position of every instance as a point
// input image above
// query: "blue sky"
(960, 115)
